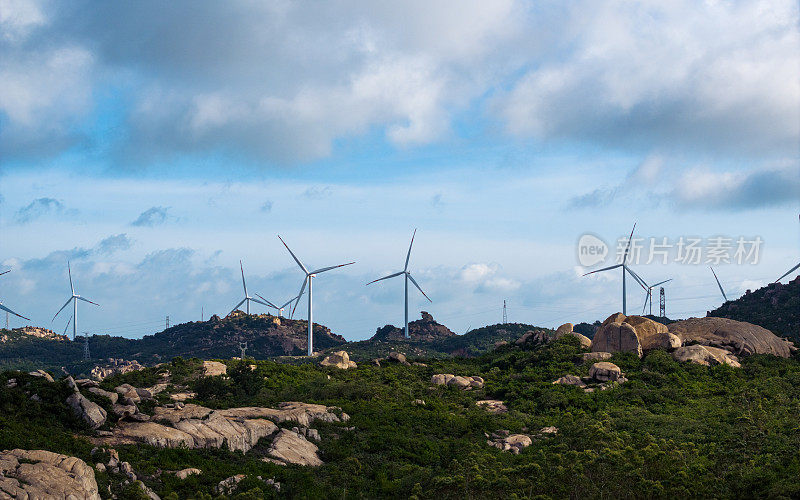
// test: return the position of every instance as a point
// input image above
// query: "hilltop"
(266, 336)
(775, 307)
(536, 419)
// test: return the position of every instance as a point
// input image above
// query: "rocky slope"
(776, 307)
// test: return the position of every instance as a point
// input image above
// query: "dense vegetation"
(672, 431)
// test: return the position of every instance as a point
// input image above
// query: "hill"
(671, 430)
(775, 307)
(266, 336)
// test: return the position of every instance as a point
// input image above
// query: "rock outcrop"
(89, 412)
(194, 426)
(214, 368)
(740, 338)
(605, 372)
(292, 447)
(114, 366)
(636, 334)
(39, 474)
(457, 381)
(421, 330)
(338, 359)
(493, 406)
(570, 380)
(705, 355)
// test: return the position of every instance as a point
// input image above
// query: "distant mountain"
(429, 338)
(776, 307)
(266, 336)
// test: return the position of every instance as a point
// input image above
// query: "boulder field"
(700, 340)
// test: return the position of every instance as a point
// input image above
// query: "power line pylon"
(662, 304)
(86, 355)
(505, 312)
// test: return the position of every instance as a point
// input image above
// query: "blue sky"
(156, 145)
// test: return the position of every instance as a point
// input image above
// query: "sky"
(154, 146)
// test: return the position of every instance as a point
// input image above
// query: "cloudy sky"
(154, 145)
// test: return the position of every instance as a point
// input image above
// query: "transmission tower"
(242, 348)
(662, 303)
(505, 312)
(6, 321)
(167, 328)
(86, 355)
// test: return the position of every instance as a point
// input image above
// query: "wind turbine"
(281, 308)
(310, 275)
(790, 271)
(625, 268)
(74, 298)
(248, 298)
(649, 296)
(718, 284)
(408, 276)
(7, 310)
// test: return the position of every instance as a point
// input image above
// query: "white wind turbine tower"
(74, 299)
(625, 269)
(408, 276)
(718, 284)
(7, 310)
(649, 296)
(247, 298)
(790, 271)
(310, 275)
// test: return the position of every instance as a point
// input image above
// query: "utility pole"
(167, 327)
(86, 355)
(505, 312)
(202, 315)
(663, 303)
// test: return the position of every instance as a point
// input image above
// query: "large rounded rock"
(652, 334)
(43, 474)
(89, 412)
(570, 380)
(741, 338)
(338, 359)
(617, 337)
(614, 318)
(705, 355)
(566, 329)
(291, 447)
(605, 372)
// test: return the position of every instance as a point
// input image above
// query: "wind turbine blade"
(69, 271)
(604, 269)
(268, 303)
(636, 277)
(67, 327)
(5, 272)
(244, 285)
(4, 308)
(302, 289)
(787, 273)
(287, 303)
(329, 268)
(86, 300)
(646, 298)
(386, 277)
(418, 288)
(718, 284)
(662, 282)
(62, 307)
(293, 255)
(237, 306)
(627, 248)
(408, 256)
